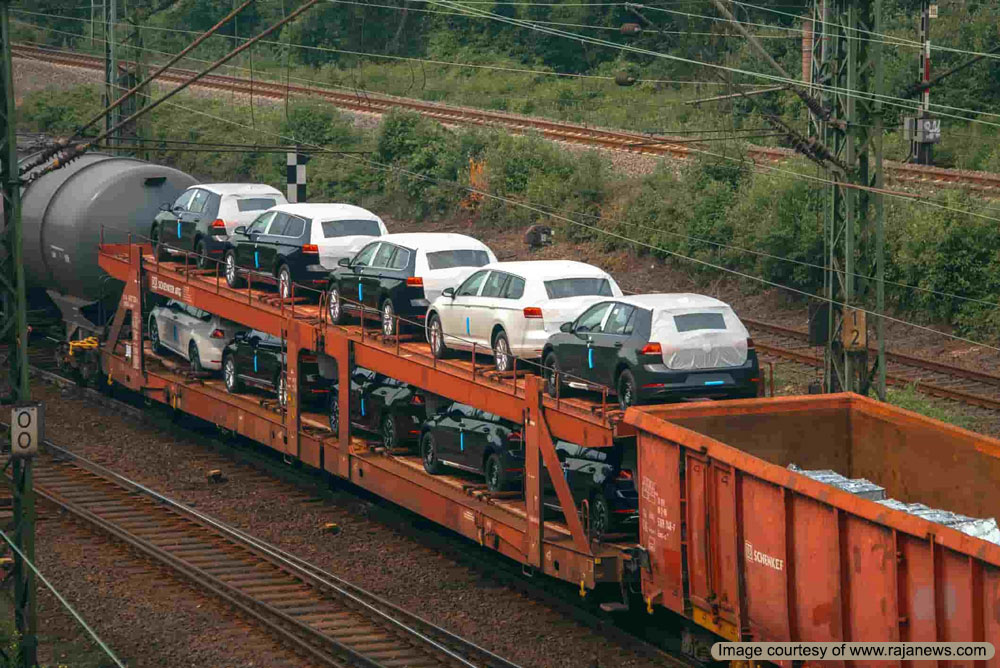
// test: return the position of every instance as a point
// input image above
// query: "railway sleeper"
(244, 578)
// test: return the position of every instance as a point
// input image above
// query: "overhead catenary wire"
(557, 216)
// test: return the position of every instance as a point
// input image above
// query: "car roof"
(672, 301)
(434, 241)
(239, 189)
(550, 269)
(322, 211)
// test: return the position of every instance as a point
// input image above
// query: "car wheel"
(194, 358)
(233, 279)
(154, 337)
(203, 261)
(388, 318)
(428, 454)
(552, 374)
(281, 386)
(627, 395)
(233, 384)
(334, 411)
(334, 306)
(600, 516)
(502, 358)
(496, 476)
(284, 281)
(388, 432)
(435, 335)
(154, 239)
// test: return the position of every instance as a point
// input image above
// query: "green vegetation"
(712, 210)
(912, 400)
(361, 48)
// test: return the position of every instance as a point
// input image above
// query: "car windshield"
(578, 287)
(689, 322)
(457, 258)
(254, 203)
(350, 228)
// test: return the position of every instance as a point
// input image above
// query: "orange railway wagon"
(753, 550)
(730, 538)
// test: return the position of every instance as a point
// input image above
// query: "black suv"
(473, 440)
(258, 359)
(275, 248)
(617, 344)
(389, 407)
(204, 216)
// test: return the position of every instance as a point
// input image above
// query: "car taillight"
(624, 474)
(750, 344)
(417, 400)
(218, 334)
(219, 225)
(310, 248)
(514, 437)
(415, 282)
(532, 312)
(651, 348)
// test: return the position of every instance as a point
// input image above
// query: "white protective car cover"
(700, 348)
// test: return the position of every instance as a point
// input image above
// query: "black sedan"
(389, 407)
(258, 359)
(655, 348)
(470, 439)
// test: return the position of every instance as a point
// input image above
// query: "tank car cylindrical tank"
(62, 214)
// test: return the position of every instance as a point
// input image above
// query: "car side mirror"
(165, 206)
(242, 229)
(561, 455)
(344, 262)
(566, 327)
(254, 341)
(448, 292)
(455, 414)
(240, 336)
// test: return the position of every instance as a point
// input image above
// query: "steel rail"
(631, 142)
(85, 492)
(903, 367)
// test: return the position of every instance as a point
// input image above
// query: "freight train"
(732, 538)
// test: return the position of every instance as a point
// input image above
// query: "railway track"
(643, 144)
(928, 376)
(326, 620)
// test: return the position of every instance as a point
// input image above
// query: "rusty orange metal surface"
(771, 554)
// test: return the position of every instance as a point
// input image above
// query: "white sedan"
(512, 308)
(196, 335)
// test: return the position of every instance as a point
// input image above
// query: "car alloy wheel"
(388, 432)
(194, 358)
(232, 274)
(229, 374)
(552, 380)
(428, 453)
(496, 479)
(335, 308)
(600, 516)
(154, 337)
(626, 389)
(203, 261)
(501, 352)
(284, 282)
(437, 337)
(388, 318)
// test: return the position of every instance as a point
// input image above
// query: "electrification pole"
(847, 71)
(14, 337)
(111, 69)
(922, 130)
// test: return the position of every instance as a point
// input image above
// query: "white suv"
(513, 307)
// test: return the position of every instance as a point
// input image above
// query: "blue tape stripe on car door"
(590, 357)
(178, 229)
(362, 406)
(461, 441)
(467, 327)
(715, 382)
(360, 298)
(255, 362)
(256, 259)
